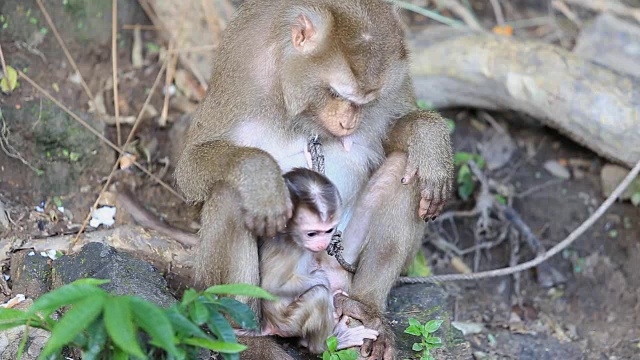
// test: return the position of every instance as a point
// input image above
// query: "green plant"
(428, 341)
(105, 326)
(333, 354)
(466, 184)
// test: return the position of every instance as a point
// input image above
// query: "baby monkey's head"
(317, 208)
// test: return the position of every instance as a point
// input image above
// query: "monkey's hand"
(430, 159)
(265, 200)
(382, 348)
(352, 336)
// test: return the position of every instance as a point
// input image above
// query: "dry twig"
(64, 48)
(120, 155)
(575, 234)
(114, 61)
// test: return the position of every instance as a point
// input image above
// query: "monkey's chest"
(347, 169)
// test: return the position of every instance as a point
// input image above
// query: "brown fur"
(274, 77)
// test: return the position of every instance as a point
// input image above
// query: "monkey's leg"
(394, 234)
(228, 252)
(310, 318)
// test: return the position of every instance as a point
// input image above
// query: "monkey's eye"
(329, 231)
(312, 234)
(333, 93)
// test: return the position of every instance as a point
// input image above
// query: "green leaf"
(63, 296)
(189, 296)
(72, 323)
(57, 201)
(461, 158)
(183, 325)
(326, 355)
(452, 125)
(155, 322)
(425, 105)
(10, 318)
(198, 313)
(413, 330)
(419, 267)
(221, 328)
(119, 323)
(433, 340)
(332, 343)
(635, 199)
(348, 354)
(120, 354)
(501, 199)
(219, 346)
(239, 312)
(414, 322)
(466, 184)
(432, 326)
(417, 347)
(97, 341)
(334, 357)
(10, 81)
(240, 290)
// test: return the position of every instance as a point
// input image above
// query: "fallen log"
(592, 105)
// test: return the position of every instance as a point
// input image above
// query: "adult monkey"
(290, 69)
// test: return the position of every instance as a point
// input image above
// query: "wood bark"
(592, 105)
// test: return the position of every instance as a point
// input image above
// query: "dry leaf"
(505, 30)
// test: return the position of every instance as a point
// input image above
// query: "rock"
(425, 302)
(611, 176)
(128, 275)
(556, 169)
(10, 339)
(497, 150)
(30, 273)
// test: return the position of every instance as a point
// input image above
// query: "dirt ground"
(595, 314)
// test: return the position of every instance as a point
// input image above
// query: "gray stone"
(10, 339)
(128, 275)
(30, 273)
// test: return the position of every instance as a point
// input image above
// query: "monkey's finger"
(410, 171)
(422, 210)
(365, 349)
(388, 353)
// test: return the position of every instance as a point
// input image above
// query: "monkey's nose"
(347, 126)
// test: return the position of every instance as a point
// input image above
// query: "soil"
(594, 315)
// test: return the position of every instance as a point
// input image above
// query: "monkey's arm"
(424, 137)
(253, 173)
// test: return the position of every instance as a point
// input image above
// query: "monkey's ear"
(308, 30)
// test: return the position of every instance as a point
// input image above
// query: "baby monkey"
(295, 267)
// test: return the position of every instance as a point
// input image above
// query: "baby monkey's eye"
(329, 231)
(312, 234)
(333, 93)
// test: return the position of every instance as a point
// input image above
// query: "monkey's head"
(340, 60)
(317, 208)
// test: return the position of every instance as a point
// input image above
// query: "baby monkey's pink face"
(311, 232)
